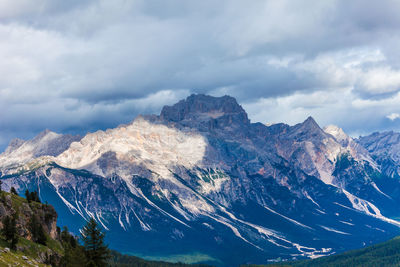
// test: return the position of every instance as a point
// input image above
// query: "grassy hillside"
(384, 254)
(27, 257)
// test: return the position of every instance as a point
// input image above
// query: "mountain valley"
(201, 179)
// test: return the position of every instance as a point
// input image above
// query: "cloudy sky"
(77, 66)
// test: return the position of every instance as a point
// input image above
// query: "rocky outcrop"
(11, 205)
(206, 113)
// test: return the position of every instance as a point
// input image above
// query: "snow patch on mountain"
(234, 229)
(377, 189)
(333, 230)
(305, 193)
(287, 218)
(348, 223)
(368, 208)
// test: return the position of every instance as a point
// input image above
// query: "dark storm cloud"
(76, 66)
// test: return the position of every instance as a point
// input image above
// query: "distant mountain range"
(203, 183)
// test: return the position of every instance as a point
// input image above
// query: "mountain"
(201, 182)
(47, 143)
(385, 148)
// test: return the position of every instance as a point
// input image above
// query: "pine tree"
(74, 253)
(6, 227)
(10, 230)
(37, 231)
(64, 235)
(28, 196)
(97, 252)
(1, 182)
(67, 238)
(34, 196)
(13, 191)
(73, 257)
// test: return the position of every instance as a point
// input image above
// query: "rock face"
(202, 178)
(379, 144)
(202, 111)
(45, 214)
(385, 148)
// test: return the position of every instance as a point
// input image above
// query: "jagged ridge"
(201, 171)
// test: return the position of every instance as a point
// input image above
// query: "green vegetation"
(37, 231)
(384, 254)
(183, 258)
(23, 240)
(96, 251)
(9, 230)
(74, 254)
(18, 258)
(13, 191)
(119, 260)
(343, 161)
(32, 196)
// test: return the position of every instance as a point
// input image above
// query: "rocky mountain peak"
(44, 133)
(310, 122)
(338, 133)
(44, 137)
(46, 143)
(199, 108)
(14, 144)
(308, 129)
(349, 145)
(309, 125)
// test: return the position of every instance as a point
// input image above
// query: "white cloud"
(380, 80)
(340, 107)
(9, 9)
(325, 106)
(91, 61)
(393, 116)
